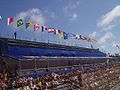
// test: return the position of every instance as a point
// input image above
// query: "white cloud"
(52, 15)
(102, 46)
(105, 41)
(34, 15)
(110, 19)
(69, 10)
(22, 15)
(49, 14)
(73, 17)
(78, 3)
(104, 38)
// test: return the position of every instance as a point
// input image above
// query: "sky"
(98, 19)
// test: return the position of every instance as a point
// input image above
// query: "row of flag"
(59, 33)
(20, 22)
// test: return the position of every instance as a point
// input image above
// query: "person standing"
(15, 34)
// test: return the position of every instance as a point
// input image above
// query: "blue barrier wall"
(30, 51)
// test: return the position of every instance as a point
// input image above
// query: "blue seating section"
(30, 51)
(42, 73)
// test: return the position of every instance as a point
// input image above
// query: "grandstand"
(74, 66)
(11, 47)
(44, 55)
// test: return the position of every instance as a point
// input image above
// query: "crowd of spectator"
(102, 78)
(91, 77)
(70, 80)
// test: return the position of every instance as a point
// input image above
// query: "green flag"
(19, 22)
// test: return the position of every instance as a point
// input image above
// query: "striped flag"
(51, 30)
(82, 37)
(44, 28)
(57, 31)
(10, 20)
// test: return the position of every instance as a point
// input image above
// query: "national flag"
(36, 27)
(77, 36)
(82, 37)
(51, 30)
(57, 31)
(10, 20)
(44, 28)
(61, 35)
(29, 24)
(19, 22)
(65, 35)
(0, 17)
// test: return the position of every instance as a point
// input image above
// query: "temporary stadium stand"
(30, 51)
(11, 47)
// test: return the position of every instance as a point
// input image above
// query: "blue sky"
(99, 19)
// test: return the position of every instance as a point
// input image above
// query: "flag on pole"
(77, 36)
(65, 35)
(0, 17)
(29, 24)
(36, 27)
(19, 22)
(61, 35)
(10, 20)
(44, 28)
(57, 31)
(82, 37)
(51, 30)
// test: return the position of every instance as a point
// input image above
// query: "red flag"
(10, 20)
(51, 30)
(44, 28)
(83, 38)
(36, 27)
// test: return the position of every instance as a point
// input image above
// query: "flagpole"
(78, 43)
(57, 40)
(54, 39)
(41, 36)
(34, 37)
(48, 37)
(6, 34)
